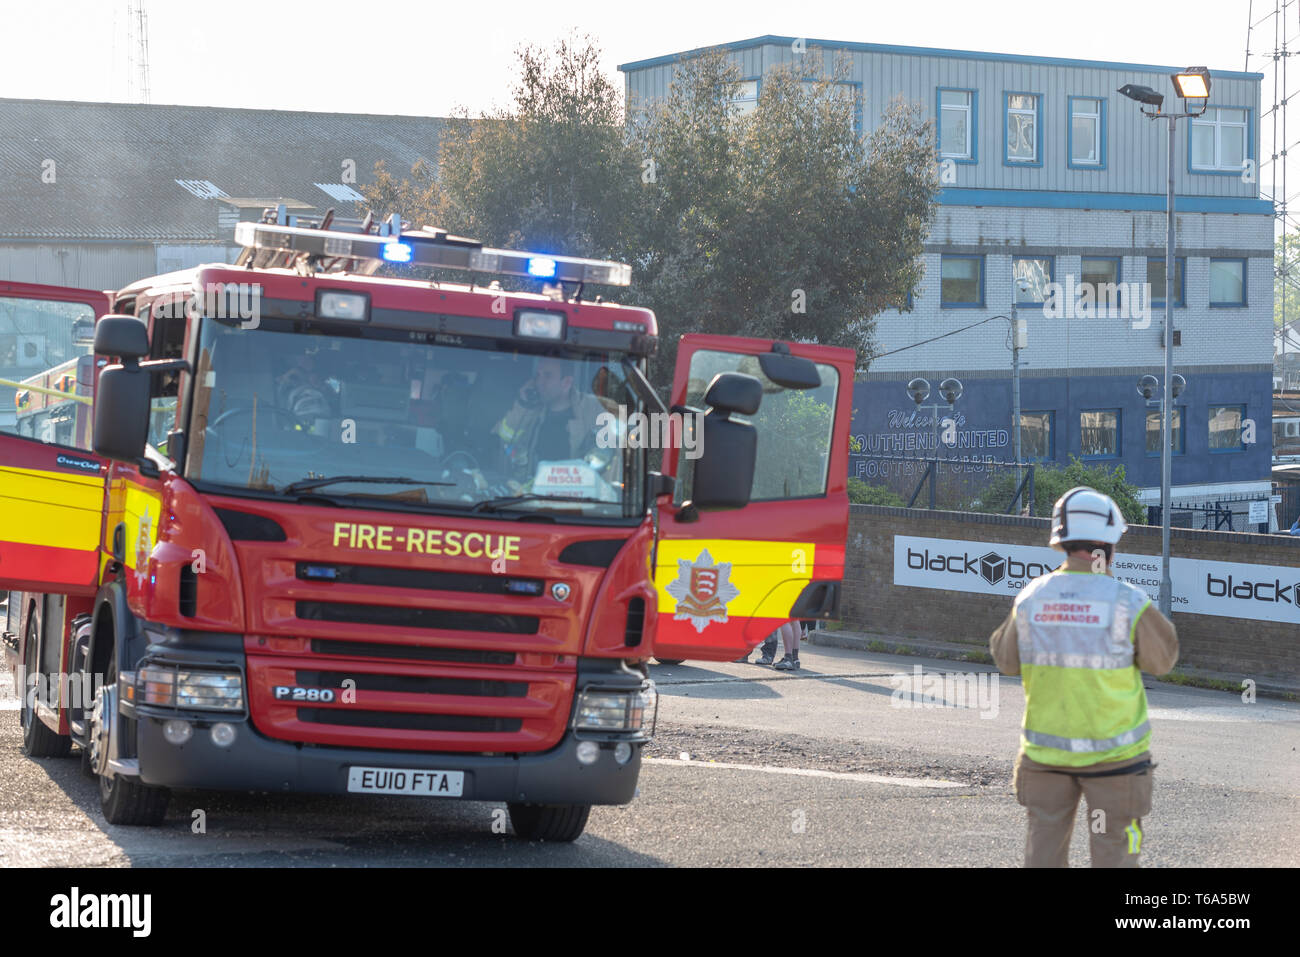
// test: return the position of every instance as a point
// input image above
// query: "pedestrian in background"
(1081, 640)
(788, 634)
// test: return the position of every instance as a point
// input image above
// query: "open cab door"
(51, 485)
(754, 535)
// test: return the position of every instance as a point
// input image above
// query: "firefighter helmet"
(1085, 515)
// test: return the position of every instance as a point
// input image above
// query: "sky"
(425, 58)
(429, 58)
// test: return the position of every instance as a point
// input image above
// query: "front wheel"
(549, 822)
(124, 800)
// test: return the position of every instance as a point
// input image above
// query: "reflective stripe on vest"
(1079, 745)
(1084, 701)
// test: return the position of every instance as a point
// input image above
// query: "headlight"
(600, 710)
(201, 690)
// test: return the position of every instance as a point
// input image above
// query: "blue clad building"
(1053, 200)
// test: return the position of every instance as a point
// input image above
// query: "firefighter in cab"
(1081, 639)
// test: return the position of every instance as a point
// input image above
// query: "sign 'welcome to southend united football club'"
(1227, 589)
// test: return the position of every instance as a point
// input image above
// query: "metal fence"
(963, 484)
(1231, 513)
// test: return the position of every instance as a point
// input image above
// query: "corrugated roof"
(116, 165)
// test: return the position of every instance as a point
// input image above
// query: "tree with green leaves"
(1286, 279)
(780, 223)
(1053, 481)
(550, 172)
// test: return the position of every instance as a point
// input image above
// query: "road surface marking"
(810, 773)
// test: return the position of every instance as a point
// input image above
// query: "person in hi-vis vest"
(1081, 639)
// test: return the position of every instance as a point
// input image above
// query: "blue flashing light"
(397, 252)
(542, 268)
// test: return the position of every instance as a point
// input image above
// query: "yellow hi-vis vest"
(1084, 701)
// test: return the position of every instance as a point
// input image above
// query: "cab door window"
(46, 370)
(794, 426)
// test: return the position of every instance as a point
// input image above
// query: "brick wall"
(873, 604)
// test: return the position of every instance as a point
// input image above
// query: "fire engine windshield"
(447, 421)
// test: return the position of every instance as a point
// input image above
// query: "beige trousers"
(1116, 805)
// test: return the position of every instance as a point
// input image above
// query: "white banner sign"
(1227, 589)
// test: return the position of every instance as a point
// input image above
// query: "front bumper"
(255, 763)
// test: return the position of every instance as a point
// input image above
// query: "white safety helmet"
(1085, 515)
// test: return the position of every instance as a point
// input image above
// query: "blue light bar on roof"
(345, 241)
(397, 252)
(542, 268)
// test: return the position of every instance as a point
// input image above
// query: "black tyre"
(124, 800)
(549, 822)
(670, 661)
(127, 801)
(38, 740)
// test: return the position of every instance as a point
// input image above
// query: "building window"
(1037, 273)
(1156, 279)
(957, 125)
(1099, 433)
(1087, 133)
(1100, 276)
(1227, 282)
(1225, 428)
(1024, 130)
(1037, 437)
(744, 97)
(961, 281)
(1175, 431)
(1220, 140)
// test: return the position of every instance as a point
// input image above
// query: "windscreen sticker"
(703, 590)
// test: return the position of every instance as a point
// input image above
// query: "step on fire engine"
(340, 532)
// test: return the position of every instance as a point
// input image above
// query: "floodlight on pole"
(1193, 83)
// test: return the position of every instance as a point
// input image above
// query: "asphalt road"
(834, 765)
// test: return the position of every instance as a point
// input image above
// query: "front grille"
(417, 578)
(405, 721)
(349, 613)
(374, 649)
(404, 684)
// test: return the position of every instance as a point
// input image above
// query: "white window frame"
(1219, 126)
(1096, 129)
(968, 110)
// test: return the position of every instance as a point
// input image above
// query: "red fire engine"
(339, 532)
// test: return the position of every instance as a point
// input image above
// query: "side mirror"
(789, 372)
(122, 409)
(83, 332)
(124, 336)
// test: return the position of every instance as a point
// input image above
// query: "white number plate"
(406, 781)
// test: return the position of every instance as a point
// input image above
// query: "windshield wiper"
(304, 485)
(490, 504)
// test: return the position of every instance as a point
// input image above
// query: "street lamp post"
(1194, 84)
(919, 390)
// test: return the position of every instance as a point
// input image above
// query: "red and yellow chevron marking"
(49, 529)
